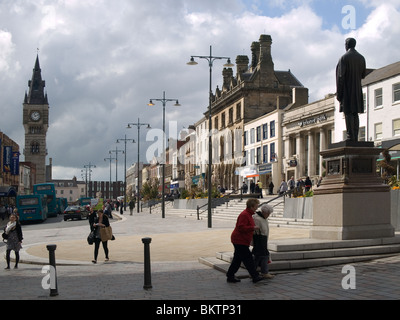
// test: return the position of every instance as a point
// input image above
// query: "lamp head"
(177, 104)
(192, 62)
(228, 64)
(150, 104)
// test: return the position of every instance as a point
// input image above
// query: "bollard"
(52, 262)
(147, 271)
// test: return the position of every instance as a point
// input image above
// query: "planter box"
(190, 204)
(395, 209)
(298, 208)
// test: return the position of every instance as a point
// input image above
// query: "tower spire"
(36, 93)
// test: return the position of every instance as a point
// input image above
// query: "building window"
(245, 138)
(265, 154)
(396, 92)
(396, 127)
(378, 98)
(216, 123)
(361, 134)
(272, 129)
(230, 115)
(223, 120)
(272, 152)
(364, 102)
(252, 157)
(35, 147)
(258, 155)
(259, 134)
(252, 135)
(265, 131)
(378, 131)
(238, 111)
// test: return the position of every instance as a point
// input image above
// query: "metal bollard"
(52, 262)
(147, 271)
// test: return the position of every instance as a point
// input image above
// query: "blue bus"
(49, 190)
(32, 207)
(84, 201)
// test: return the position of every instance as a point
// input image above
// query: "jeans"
(261, 261)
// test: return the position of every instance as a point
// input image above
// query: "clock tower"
(36, 123)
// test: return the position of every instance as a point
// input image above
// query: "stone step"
(308, 253)
(290, 265)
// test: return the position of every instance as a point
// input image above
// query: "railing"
(213, 201)
(289, 192)
(283, 195)
(153, 203)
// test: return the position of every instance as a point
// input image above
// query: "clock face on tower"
(35, 115)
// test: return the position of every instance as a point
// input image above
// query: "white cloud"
(103, 60)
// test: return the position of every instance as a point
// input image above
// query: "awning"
(8, 192)
(253, 176)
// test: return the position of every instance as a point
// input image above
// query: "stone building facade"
(307, 130)
(256, 89)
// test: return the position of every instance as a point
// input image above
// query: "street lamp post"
(118, 141)
(110, 159)
(210, 60)
(88, 168)
(164, 102)
(138, 125)
(116, 161)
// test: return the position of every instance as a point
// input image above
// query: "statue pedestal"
(351, 202)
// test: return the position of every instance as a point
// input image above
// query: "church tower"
(36, 123)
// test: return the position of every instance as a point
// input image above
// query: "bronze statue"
(350, 70)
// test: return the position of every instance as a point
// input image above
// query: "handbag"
(5, 236)
(90, 238)
(260, 245)
(106, 233)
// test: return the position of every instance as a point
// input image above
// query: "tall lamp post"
(164, 102)
(138, 125)
(110, 159)
(210, 60)
(118, 141)
(116, 166)
(88, 168)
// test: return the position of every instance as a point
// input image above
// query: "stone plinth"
(352, 202)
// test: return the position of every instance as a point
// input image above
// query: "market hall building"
(306, 131)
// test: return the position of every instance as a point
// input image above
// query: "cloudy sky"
(103, 60)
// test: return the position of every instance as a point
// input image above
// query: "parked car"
(75, 212)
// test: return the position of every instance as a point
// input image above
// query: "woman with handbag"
(100, 222)
(13, 233)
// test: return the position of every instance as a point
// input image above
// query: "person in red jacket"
(241, 238)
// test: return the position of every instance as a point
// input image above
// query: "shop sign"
(311, 121)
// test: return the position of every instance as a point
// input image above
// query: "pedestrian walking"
(131, 206)
(91, 217)
(283, 187)
(260, 240)
(241, 238)
(271, 188)
(14, 241)
(100, 221)
(121, 210)
(291, 184)
(307, 184)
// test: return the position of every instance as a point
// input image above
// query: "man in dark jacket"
(350, 70)
(241, 238)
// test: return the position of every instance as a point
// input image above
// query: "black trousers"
(96, 248)
(242, 254)
(352, 126)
